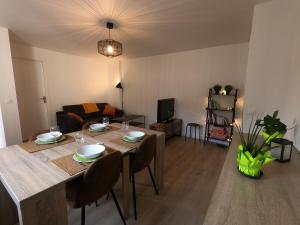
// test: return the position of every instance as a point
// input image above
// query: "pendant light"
(109, 47)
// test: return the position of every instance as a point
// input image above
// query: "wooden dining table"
(32, 187)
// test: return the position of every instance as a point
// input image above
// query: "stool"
(195, 126)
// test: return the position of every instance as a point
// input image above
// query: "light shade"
(119, 85)
(110, 48)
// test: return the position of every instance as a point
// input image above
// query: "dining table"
(32, 186)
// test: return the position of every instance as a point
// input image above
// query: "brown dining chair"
(33, 136)
(141, 159)
(86, 125)
(97, 181)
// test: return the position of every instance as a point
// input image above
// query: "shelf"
(228, 139)
(223, 110)
(217, 125)
(230, 95)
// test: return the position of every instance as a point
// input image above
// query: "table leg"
(46, 208)
(8, 209)
(159, 161)
(126, 186)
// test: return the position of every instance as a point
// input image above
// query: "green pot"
(268, 138)
(249, 166)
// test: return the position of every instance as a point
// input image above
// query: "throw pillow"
(75, 116)
(109, 110)
(90, 107)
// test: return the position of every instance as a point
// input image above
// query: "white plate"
(98, 126)
(90, 151)
(47, 137)
(135, 135)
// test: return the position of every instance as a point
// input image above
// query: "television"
(165, 110)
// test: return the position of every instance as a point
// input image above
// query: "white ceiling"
(145, 27)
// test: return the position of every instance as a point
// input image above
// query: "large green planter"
(250, 166)
(268, 138)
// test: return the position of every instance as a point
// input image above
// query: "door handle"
(44, 99)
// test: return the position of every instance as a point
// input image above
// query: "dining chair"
(33, 136)
(141, 159)
(86, 125)
(97, 181)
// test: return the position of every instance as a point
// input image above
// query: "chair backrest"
(87, 124)
(33, 136)
(144, 154)
(98, 180)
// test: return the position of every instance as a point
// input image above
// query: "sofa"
(72, 117)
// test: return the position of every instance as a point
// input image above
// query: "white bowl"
(98, 126)
(48, 137)
(90, 151)
(135, 135)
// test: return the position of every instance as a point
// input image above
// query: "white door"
(31, 94)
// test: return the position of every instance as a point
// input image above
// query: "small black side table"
(195, 126)
(134, 120)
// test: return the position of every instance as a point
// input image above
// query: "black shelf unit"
(229, 114)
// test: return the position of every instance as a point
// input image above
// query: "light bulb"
(110, 49)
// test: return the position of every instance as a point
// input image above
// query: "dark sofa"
(68, 124)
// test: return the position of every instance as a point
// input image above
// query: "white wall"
(2, 132)
(72, 79)
(8, 98)
(186, 76)
(273, 79)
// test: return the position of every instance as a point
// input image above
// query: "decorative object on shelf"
(228, 88)
(272, 127)
(223, 117)
(219, 133)
(109, 47)
(217, 88)
(222, 92)
(252, 156)
(120, 86)
(281, 149)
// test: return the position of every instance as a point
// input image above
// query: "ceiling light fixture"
(110, 47)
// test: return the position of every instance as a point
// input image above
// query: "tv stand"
(171, 128)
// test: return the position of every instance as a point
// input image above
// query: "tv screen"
(165, 109)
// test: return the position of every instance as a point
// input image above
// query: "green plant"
(228, 88)
(272, 124)
(249, 140)
(217, 88)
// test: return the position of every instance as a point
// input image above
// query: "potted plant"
(272, 127)
(252, 155)
(228, 88)
(217, 88)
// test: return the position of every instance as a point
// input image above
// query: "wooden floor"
(191, 173)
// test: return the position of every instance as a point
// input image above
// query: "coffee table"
(133, 119)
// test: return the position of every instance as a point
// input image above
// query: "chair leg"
(133, 193)
(186, 128)
(118, 207)
(107, 196)
(195, 135)
(83, 215)
(96, 203)
(152, 179)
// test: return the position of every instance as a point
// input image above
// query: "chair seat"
(194, 125)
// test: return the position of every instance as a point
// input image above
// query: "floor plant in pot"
(252, 154)
(272, 127)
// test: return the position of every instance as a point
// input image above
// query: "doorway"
(31, 95)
